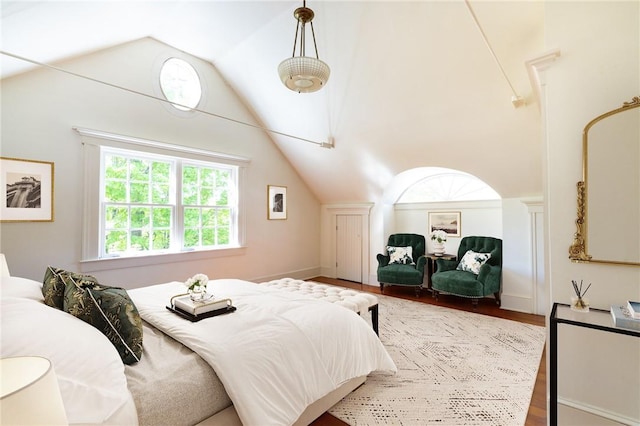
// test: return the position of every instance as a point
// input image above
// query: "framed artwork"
(276, 202)
(449, 222)
(27, 190)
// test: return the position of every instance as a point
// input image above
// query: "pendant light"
(303, 74)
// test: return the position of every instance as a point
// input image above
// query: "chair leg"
(497, 296)
(381, 288)
(418, 290)
(474, 302)
(435, 294)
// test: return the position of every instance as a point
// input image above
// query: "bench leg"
(374, 318)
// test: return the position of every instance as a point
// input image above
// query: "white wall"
(597, 71)
(477, 218)
(39, 110)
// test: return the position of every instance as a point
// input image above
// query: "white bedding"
(279, 351)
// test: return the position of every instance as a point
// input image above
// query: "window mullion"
(178, 225)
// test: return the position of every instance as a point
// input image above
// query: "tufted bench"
(357, 301)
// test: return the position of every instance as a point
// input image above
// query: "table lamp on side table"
(29, 392)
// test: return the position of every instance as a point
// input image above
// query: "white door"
(349, 247)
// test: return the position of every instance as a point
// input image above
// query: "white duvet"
(278, 352)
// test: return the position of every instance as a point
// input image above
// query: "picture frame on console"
(26, 186)
(276, 202)
(449, 222)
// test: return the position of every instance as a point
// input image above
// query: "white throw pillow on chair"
(401, 255)
(472, 261)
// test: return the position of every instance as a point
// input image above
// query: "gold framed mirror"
(608, 215)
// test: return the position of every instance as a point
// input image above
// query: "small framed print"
(276, 202)
(448, 222)
(26, 187)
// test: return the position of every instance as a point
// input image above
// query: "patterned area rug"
(454, 368)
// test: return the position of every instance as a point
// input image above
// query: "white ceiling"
(413, 84)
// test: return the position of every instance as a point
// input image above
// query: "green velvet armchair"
(477, 276)
(398, 267)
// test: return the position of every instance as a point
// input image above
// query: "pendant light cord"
(146, 95)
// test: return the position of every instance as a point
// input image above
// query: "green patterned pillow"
(110, 310)
(53, 285)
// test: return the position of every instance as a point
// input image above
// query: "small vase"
(438, 249)
(579, 304)
(199, 294)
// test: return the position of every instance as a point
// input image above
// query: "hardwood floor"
(537, 415)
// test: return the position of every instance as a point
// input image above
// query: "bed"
(280, 358)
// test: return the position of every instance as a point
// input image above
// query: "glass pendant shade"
(303, 74)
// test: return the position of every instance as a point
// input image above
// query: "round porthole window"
(180, 84)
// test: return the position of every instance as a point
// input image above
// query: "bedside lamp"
(29, 392)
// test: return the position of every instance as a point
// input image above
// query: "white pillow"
(89, 370)
(402, 255)
(21, 287)
(472, 261)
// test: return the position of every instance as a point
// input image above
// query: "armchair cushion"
(396, 273)
(461, 283)
(401, 255)
(472, 261)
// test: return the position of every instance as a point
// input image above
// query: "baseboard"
(598, 411)
(373, 280)
(327, 272)
(301, 274)
(516, 303)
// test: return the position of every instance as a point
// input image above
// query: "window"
(448, 186)
(152, 203)
(180, 83)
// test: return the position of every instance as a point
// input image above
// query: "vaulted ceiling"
(413, 84)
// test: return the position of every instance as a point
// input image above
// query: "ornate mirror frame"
(578, 250)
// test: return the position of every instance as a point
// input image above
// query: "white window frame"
(93, 141)
(178, 103)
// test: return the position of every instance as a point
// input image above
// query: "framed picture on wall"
(27, 190)
(448, 222)
(276, 202)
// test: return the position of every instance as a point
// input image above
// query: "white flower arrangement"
(197, 283)
(439, 236)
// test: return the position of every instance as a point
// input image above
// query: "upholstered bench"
(357, 301)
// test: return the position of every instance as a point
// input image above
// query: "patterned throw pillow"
(110, 310)
(53, 285)
(402, 255)
(472, 261)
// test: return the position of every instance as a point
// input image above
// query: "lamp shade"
(29, 392)
(303, 74)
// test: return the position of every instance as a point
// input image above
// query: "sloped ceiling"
(413, 84)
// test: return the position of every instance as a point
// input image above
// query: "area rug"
(454, 368)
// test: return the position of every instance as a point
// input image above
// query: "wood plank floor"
(537, 415)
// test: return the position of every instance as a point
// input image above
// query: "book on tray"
(634, 309)
(622, 318)
(185, 304)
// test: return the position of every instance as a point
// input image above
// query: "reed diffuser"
(579, 302)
